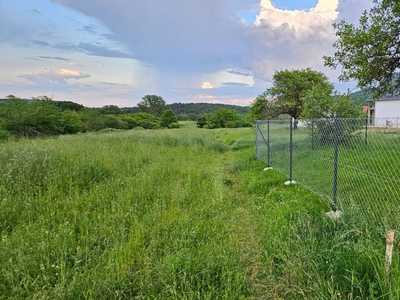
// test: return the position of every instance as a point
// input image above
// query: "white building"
(386, 112)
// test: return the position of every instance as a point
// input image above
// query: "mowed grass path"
(170, 214)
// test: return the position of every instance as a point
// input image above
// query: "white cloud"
(47, 74)
(207, 86)
(316, 21)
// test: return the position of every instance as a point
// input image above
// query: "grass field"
(173, 214)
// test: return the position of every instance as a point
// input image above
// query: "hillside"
(360, 97)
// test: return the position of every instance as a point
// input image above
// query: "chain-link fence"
(352, 163)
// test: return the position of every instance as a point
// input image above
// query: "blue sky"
(98, 52)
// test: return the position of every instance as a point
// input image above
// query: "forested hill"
(360, 97)
(197, 108)
(203, 108)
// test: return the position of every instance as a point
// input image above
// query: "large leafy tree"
(152, 104)
(291, 86)
(370, 52)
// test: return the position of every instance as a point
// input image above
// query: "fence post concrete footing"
(268, 168)
(334, 214)
(389, 249)
(289, 182)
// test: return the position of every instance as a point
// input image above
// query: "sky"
(101, 52)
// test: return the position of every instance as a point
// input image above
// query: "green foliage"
(152, 104)
(201, 122)
(291, 86)
(144, 120)
(39, 117)
(111, 110)
(71, 122)
(262, 108)
(323, 108)
(68, 105)
(167, 117)
(113, 121)
(345, 108)
(196, 110)
(174, 125)
(317, 104)
(223, 118)
(184, 117)
(369, 53)
(4, 135)
(93, 119)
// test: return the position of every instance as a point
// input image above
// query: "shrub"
(174, 125)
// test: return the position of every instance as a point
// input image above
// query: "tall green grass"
(173, 214)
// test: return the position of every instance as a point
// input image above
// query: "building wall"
(387, 113)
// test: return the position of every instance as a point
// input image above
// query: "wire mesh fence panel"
(274, 149)
(353, 163)
(369, 173)
(313, 158)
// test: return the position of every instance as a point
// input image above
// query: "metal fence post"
(257, 154)
(291, 150)
(335, 160)
(366, 131)
(312, 134)
(268, 145)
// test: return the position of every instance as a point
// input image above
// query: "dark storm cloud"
(40, 43)
(204, 36)
(94, 50)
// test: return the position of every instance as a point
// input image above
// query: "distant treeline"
(193, 111)
(44, 117)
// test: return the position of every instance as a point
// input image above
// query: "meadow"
(174, 214)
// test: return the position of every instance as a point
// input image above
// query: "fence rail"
(352, 163)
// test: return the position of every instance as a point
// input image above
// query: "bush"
(4, 135)
(174, 125)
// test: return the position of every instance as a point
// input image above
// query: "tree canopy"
(319, 105)
(262, 108)
(167, 118)
(152, 104)
(291, 86)
(370, 52)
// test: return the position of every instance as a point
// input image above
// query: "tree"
(92, 118)
(201, 122)
(370, 53)
(223, 118)
(72, 122)
(291, 86)
(36, 118)
(167, 118)
(152, 104)
(68, 105)
(262, 108)
(111, 110)
(140, 119)
(344, 107)
(319, 105)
